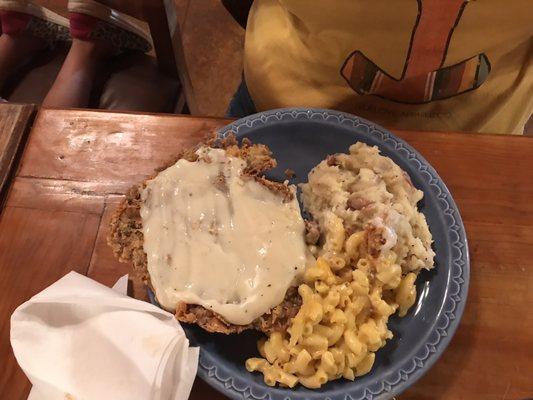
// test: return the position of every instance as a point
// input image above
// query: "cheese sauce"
(219, 239)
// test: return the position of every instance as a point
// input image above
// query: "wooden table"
(78, 164)
(15, 121)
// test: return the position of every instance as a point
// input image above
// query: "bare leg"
(15, 51)
(73, 85)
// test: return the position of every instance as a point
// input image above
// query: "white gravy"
(234, 249)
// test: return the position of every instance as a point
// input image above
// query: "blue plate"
(300, 139)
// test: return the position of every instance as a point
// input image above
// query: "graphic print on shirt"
(423, 78)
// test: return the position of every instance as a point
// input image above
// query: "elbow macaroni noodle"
(340, 325)
(374, 241)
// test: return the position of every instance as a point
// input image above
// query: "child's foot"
(20, 17)
(93, 21)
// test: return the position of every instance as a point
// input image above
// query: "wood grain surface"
(78, 164)
(15, 120)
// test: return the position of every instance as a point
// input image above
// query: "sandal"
(21, 15)
(90, 20)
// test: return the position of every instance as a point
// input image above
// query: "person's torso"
(426, 64)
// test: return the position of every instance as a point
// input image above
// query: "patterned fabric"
(366, 78)
(48, 31)
(120, 38)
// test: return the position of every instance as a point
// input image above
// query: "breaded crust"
(126, 240)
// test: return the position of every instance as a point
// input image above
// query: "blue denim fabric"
(241, 104)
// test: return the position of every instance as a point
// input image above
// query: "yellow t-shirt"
(448, 65)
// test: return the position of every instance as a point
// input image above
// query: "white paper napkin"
(80, 340)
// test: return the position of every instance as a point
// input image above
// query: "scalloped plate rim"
(403, 379)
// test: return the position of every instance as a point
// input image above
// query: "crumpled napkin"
(78, 339)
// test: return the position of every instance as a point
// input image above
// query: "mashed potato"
(364, 190)
(373, 242)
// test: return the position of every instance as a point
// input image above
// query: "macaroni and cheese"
(373, 243)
